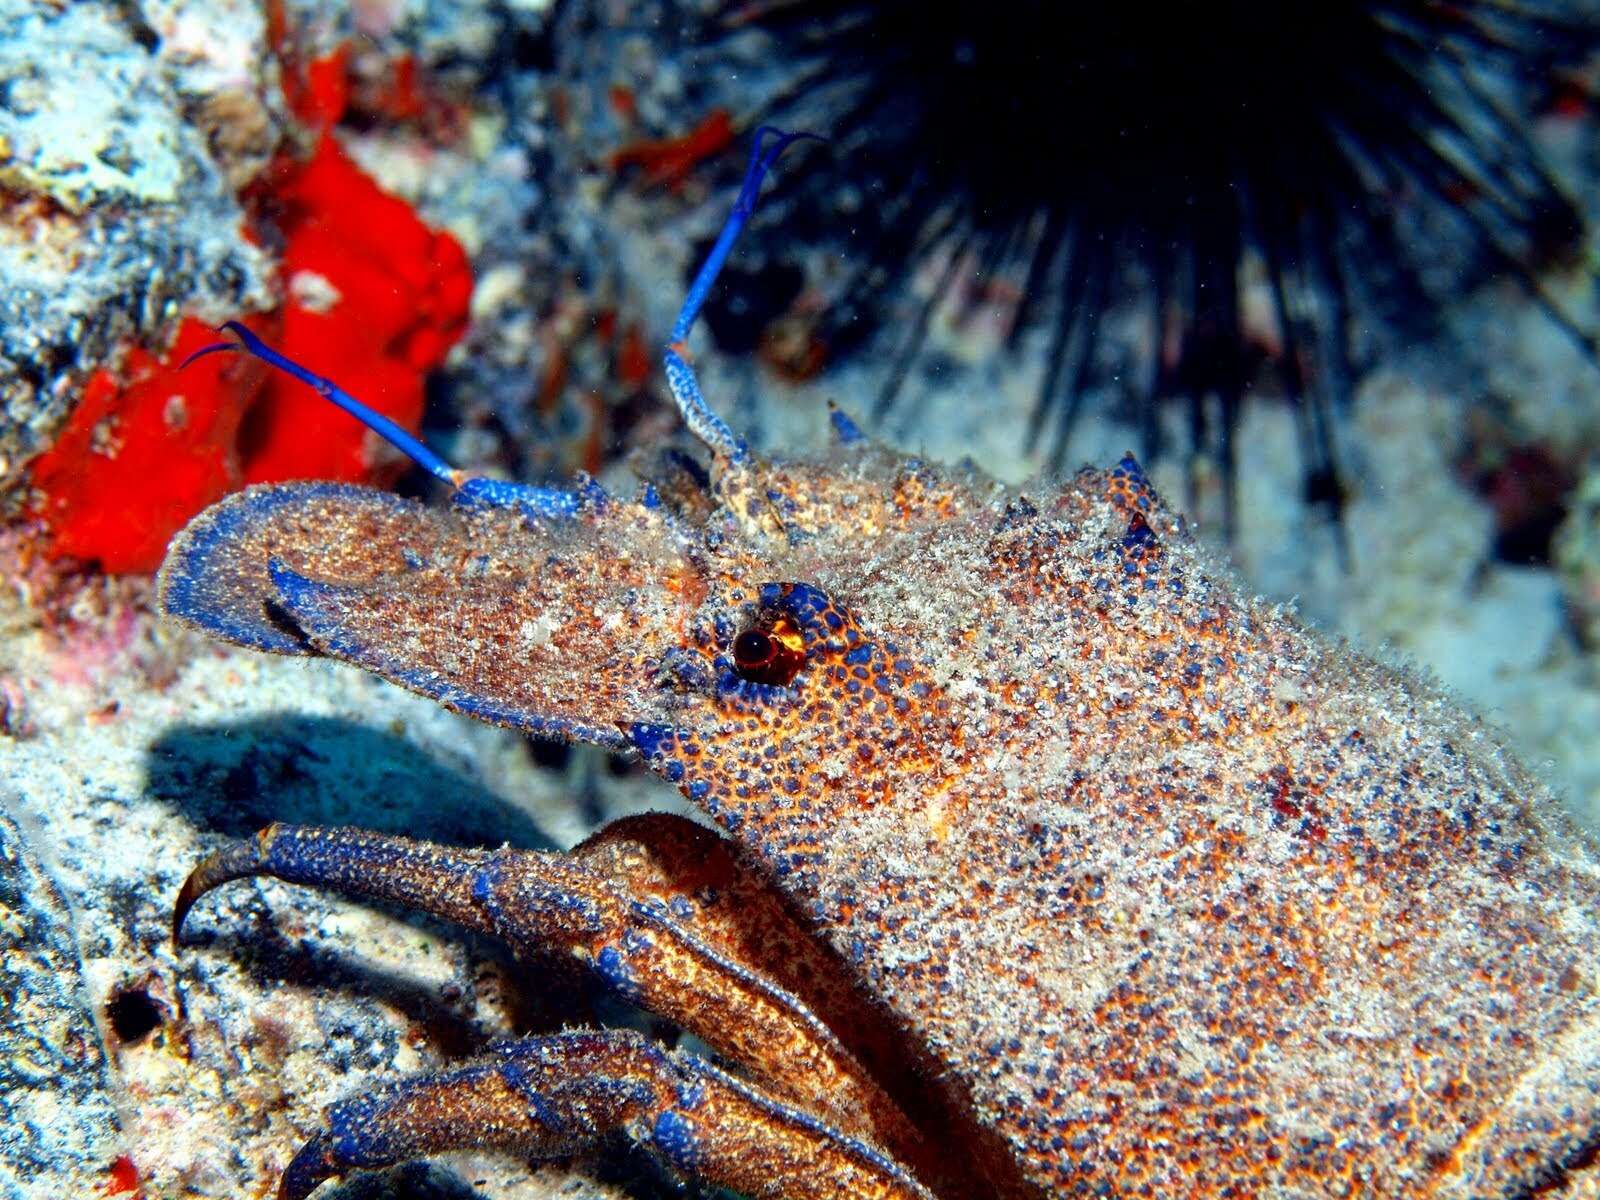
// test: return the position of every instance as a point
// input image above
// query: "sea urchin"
(1146, 159)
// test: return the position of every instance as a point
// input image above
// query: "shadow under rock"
(612, 1162)
(415, 1181)
(236, 778)
(233, 779)
(545, 996)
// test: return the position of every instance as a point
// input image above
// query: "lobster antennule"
(471, 491)
(412, 447)
(711, 429)
(763, 157)
(697, 414)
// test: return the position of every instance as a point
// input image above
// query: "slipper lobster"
(1040, 858)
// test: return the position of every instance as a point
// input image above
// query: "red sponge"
(375, 299)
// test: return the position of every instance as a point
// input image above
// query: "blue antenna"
(697, 415)
(551, 502)
(381, 425)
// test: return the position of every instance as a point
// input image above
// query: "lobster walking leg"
(558, 1094)
(636, 905)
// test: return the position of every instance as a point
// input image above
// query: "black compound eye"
(754, 649)
(772, 653)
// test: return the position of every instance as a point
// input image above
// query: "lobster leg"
(658, 909)
(558, 1094)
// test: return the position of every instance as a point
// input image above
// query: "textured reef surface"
(116, 216)
(480, 217)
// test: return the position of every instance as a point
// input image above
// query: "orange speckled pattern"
(1190, 901)
(1179, 898)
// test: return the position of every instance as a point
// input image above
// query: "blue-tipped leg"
(702, 422)
(561, 1093)
(350, 862)
(537, 1098)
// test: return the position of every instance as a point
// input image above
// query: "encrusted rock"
(58, 1125)
(113, 216)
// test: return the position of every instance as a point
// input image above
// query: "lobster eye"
(771, 653)
(754, 649)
